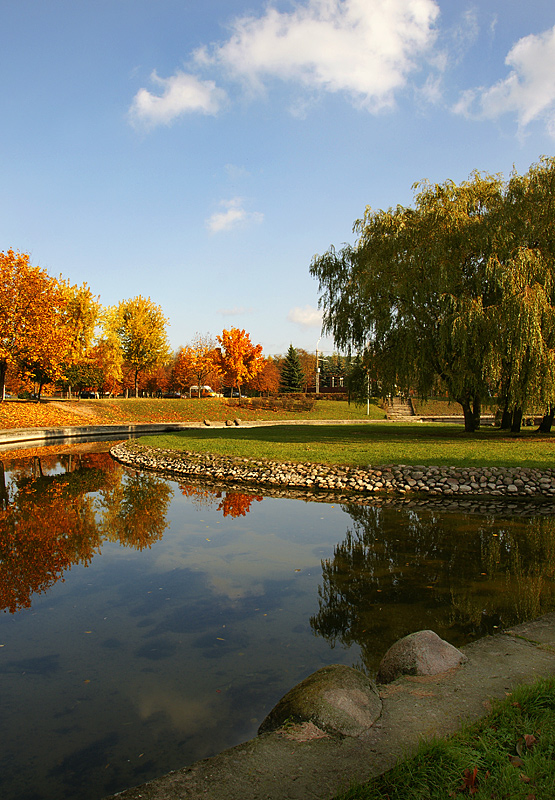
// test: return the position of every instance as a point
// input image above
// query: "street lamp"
(317, 368)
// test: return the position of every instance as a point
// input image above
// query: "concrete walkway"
(301, 762)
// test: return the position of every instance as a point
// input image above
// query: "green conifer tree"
(292, 376)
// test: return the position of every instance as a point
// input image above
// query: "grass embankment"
(357, 445)
(56, 413)
(361, 445)
(509, 754)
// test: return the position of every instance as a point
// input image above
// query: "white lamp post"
(317, 368)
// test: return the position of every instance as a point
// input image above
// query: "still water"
(147, 624)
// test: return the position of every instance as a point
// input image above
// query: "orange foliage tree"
(34, 339)
(267, 380)
(238, 358)
(197, 363)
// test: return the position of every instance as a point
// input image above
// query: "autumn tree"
(197, 364)
(238, 359)
(140, 327)
(267, 380)
(292, 377)
(106, 355)
(32, 331)
(81, 317)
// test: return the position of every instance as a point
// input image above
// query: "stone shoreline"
(391, 480)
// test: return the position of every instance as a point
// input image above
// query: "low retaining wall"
(391, 479)
(20, 435)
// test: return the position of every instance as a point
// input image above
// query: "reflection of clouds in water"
(187, 715)
(224, 585)
(235, 568)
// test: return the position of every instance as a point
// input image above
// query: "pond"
(148, 624)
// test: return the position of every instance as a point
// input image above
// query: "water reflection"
(153, 623)
(49, 520)
(58, 511)
(401, 570)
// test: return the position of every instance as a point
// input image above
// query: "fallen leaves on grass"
(470, 782)
(36, 415)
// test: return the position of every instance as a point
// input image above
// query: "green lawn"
(376, 444)
(509, 754)
(215, 409)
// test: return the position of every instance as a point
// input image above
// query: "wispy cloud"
(365, 50)
(236, 311)
(305, 317)
(180, 94)
(529, 89)
(233, 216)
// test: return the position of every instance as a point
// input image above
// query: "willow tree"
(430, 291)
(413, 289)
(524, 269)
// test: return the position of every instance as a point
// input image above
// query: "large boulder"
(420, 653)
(337, 699)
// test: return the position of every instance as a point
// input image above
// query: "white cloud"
(306, 317)
(232, 217)
(365, 49)
(529, 89)
(180, 94)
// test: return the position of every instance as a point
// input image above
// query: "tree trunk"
(517, 420)
(476, 411)
(506, 420)
(3, 370)
(547, 421)
(469, 419)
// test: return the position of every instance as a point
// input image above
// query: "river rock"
(337, 699)
(420, 653)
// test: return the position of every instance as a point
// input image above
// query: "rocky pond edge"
(394, 481)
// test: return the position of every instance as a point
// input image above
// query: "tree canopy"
(455, 292)
(35, 338)
(239, 360)
(140, 326)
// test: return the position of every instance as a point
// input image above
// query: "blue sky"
(200, 152)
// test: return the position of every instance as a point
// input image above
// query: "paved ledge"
(310, 764)
(16, 436)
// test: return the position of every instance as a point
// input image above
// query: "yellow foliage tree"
(33, 336)
(238, 358)
(140, 327)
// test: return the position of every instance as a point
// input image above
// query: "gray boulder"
(337, 699)
(420, 653)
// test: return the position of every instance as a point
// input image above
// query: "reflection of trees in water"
(135, 510)
(401, 570)
(232, 504)
(48, 522)
(57, 511)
